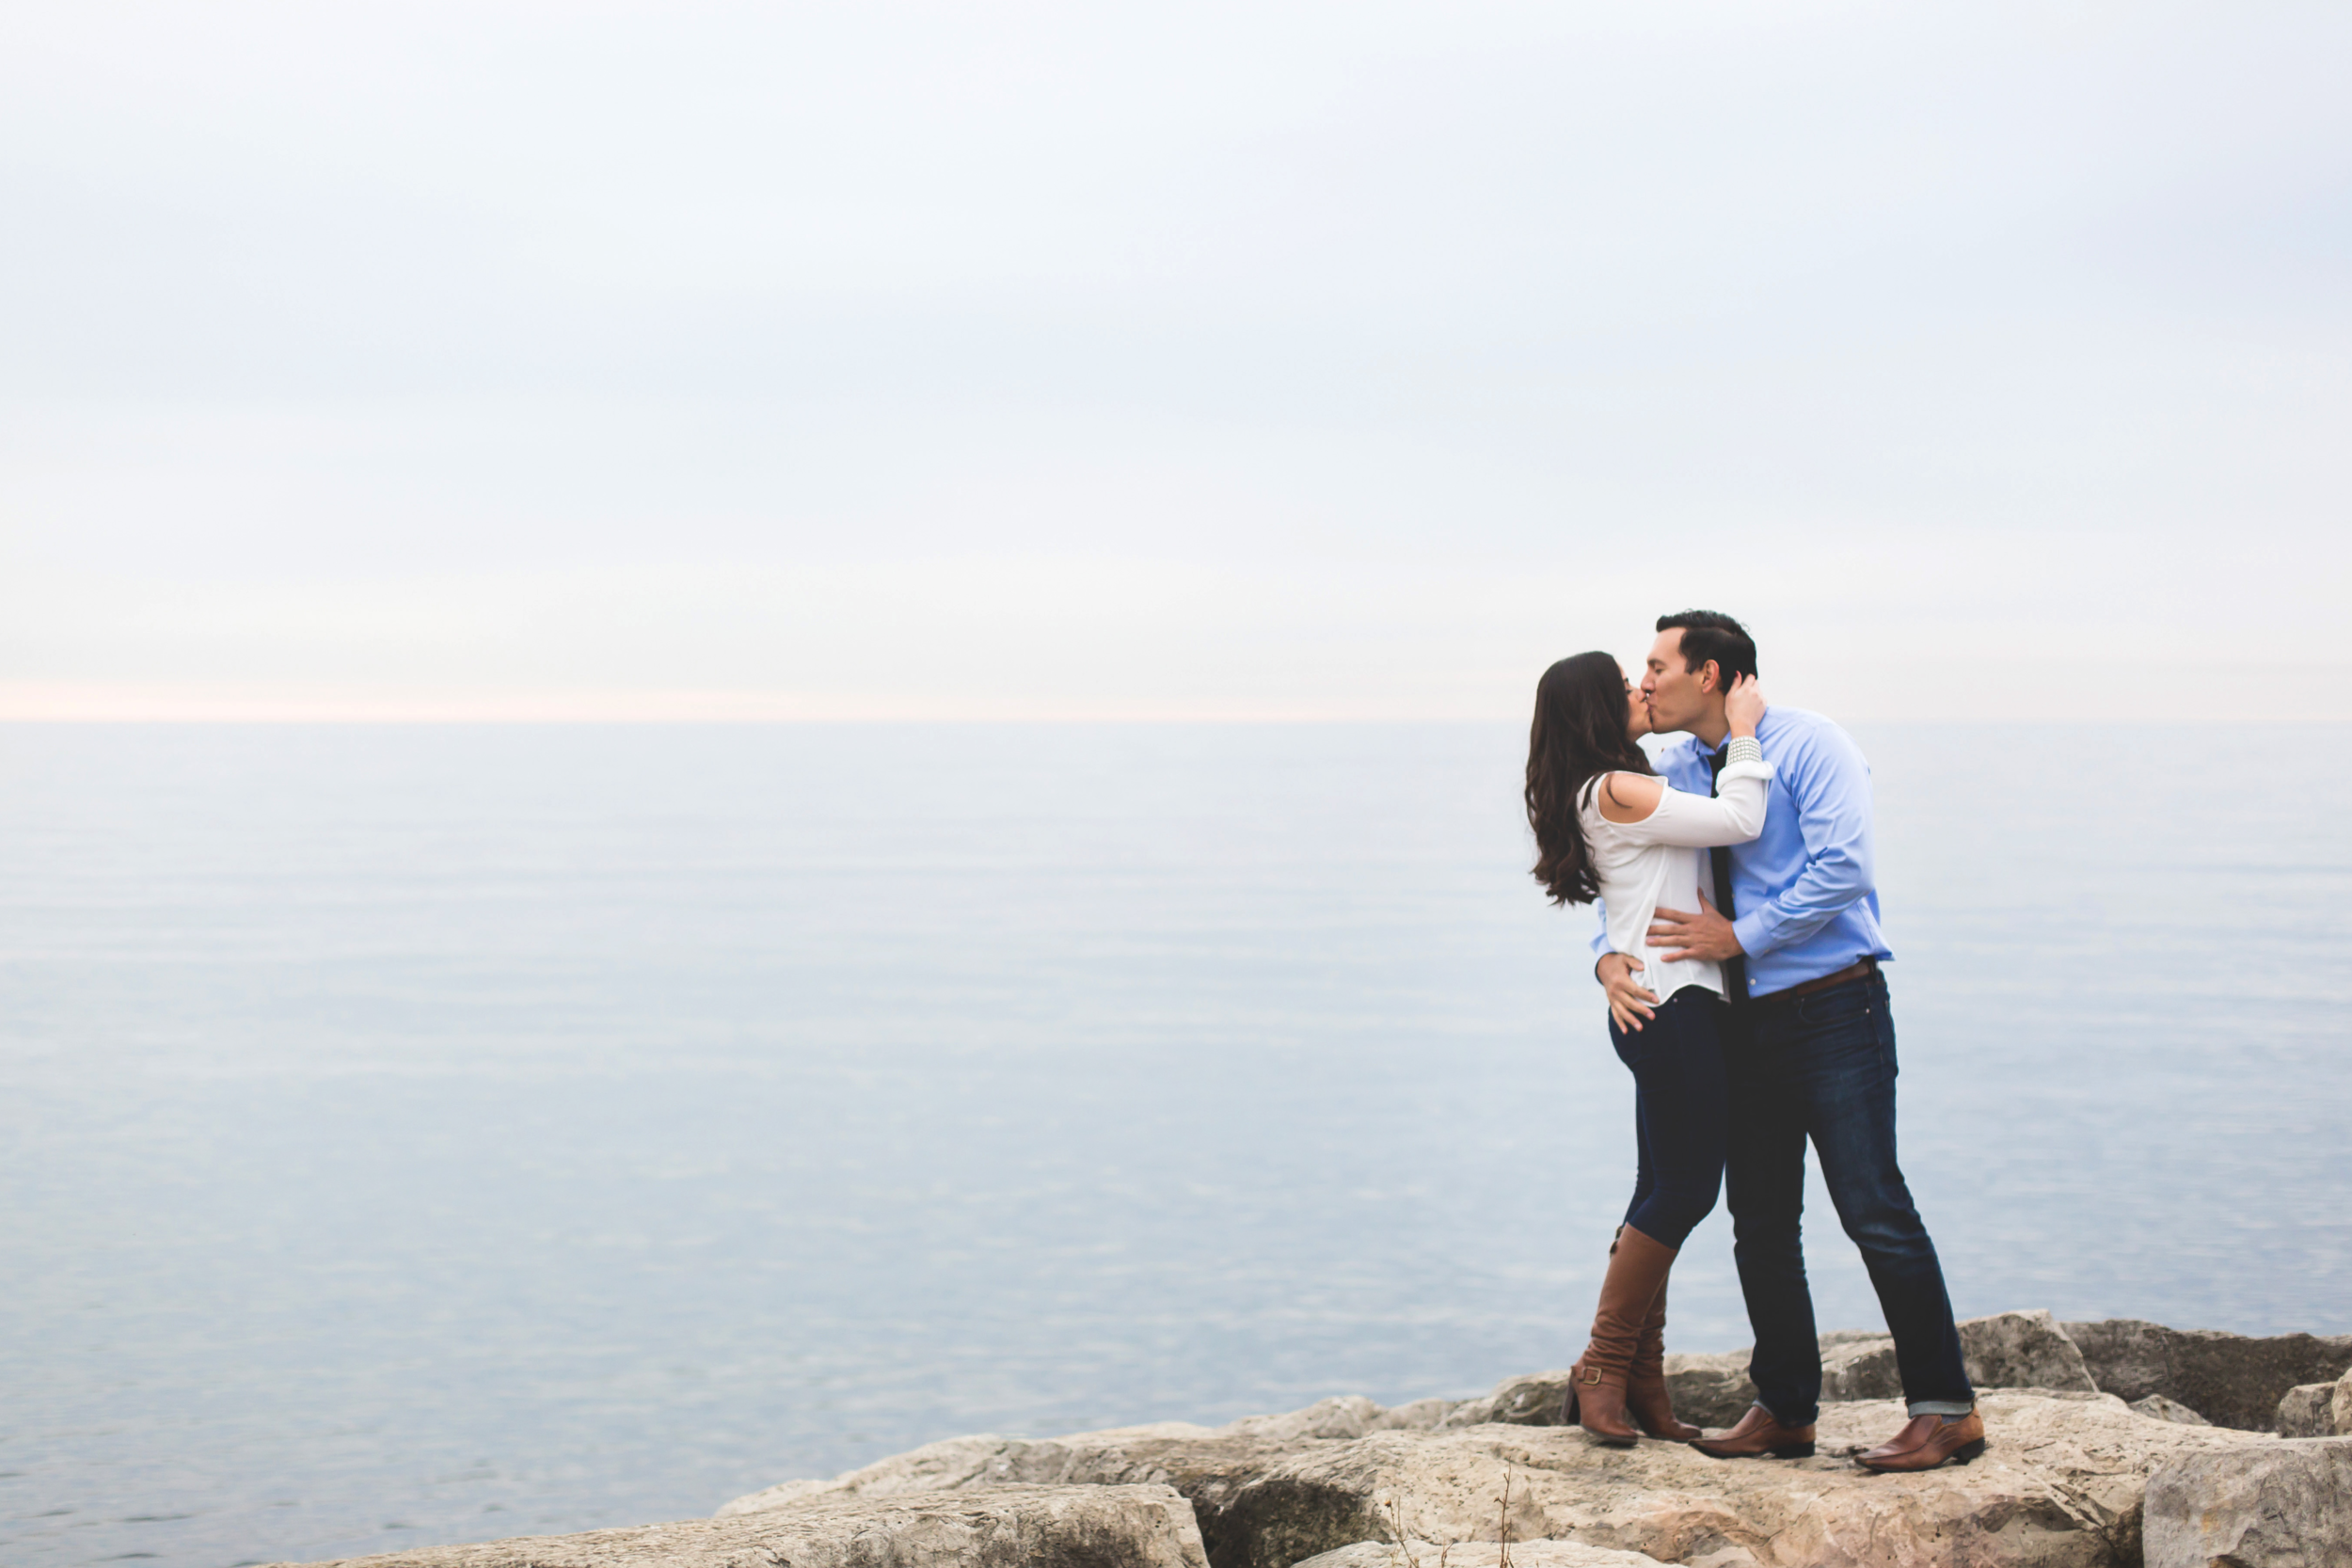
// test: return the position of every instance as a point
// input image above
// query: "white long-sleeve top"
(1662, 860)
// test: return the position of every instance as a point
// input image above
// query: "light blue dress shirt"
(1807, 887)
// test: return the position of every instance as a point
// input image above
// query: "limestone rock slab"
(1019, 1526)
(2059, 1488)
(2158, 1408)
(1350, 1416)
(2268, 1505)
(2005, 1349)
(1208, 1466)
(1709, 1390)
(1532, 1400)
(2308, 1411)
(2023, 1350)
(1524, 1554)
(1197, 1461)
(2230, 1379)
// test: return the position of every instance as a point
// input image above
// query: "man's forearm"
(1830, 784)
(1824, 891)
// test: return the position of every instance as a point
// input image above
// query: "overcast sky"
(1006, 360)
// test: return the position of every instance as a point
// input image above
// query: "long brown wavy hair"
(1578, 731)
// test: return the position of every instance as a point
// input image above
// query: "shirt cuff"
(1755, 940)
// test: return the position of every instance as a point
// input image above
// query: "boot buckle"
(1592, 1377)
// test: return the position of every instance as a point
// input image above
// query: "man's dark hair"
(1708, 635)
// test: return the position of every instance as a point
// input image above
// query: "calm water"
(416, 1135)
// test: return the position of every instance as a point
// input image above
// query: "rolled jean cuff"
(1940, 1407)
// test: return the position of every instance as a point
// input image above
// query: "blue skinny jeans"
(1679, 1105)
(1821, 1067)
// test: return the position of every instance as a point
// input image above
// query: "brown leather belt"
(1862, 969)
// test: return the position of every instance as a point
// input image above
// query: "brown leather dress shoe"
(1759, 1433)
(1927, 1441)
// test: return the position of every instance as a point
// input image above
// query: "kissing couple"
(1740, 949)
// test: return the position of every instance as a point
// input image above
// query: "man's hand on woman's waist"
(1703, 935)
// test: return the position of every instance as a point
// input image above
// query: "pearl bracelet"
(1743, 749)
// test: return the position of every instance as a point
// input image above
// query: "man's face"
(1677, 697)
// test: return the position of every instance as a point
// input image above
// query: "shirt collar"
(1713, 752)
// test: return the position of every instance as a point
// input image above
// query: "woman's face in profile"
(1636, 712)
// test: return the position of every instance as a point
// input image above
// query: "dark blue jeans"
(1822, 1067)
(1680, 1100)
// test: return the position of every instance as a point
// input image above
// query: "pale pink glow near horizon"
(115, 703)
(916, 361)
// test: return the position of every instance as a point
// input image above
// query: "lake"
(416, 1134)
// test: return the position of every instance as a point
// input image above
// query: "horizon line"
(106, 703)
(475, 715)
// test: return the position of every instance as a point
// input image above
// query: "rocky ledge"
(2101, 1456)
(989, 1527)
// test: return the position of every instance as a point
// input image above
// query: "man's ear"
(1710, 677)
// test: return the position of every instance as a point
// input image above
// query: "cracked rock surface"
(2073, 1477)
(2006, 1349)
(2233, 1380)
(2060, 1487)
(2267, 1505)
(1020, 1527)
(1524, 1554)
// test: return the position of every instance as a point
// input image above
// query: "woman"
(1608, 828)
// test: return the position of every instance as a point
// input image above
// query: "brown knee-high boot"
(1645, 1396)
(1596, 1384)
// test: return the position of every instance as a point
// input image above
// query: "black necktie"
(1735, 968)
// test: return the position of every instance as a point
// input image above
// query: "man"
(1809, 1051)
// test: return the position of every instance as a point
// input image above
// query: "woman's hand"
(1743, 705)
(1629, 1001)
